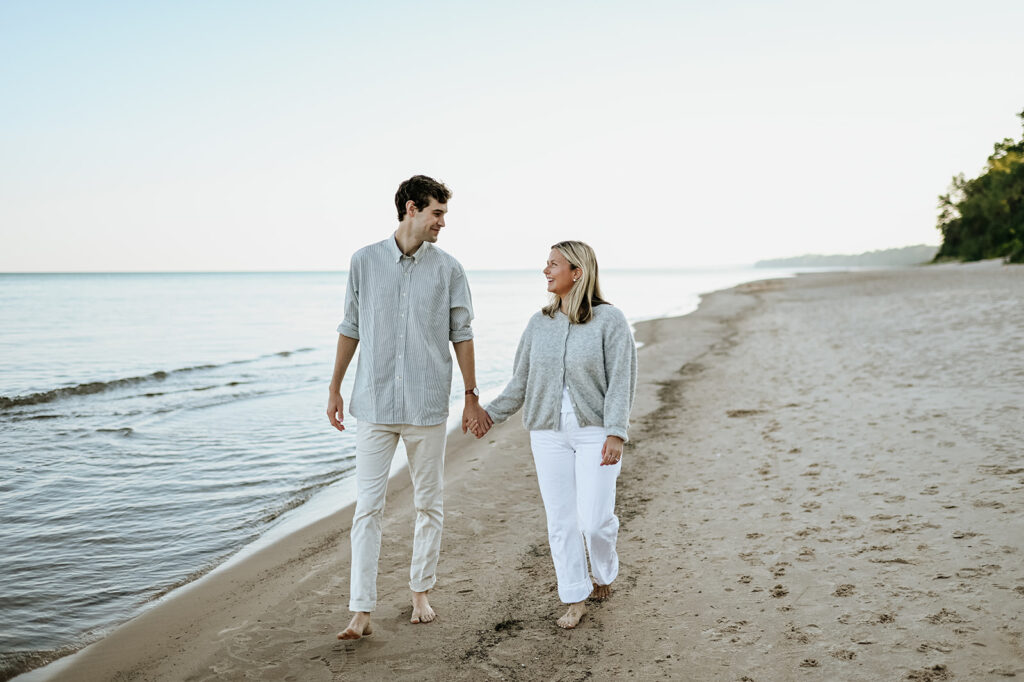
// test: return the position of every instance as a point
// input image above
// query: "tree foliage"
(984, 217)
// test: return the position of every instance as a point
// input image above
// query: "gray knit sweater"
(597, 361)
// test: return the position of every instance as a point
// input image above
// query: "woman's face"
(559, 274)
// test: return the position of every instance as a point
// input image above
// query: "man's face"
(427, 224)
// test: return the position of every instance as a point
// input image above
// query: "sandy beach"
(824, 482)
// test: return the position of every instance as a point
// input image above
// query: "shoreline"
(294, 531)
(275, 613)
(319, 506)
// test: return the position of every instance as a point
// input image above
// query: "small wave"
(93, 387)
(217, 401)
(229, 384)
(288, 353)
(123, 431)
(81, 389)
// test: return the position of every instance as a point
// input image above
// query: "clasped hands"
(475, 419)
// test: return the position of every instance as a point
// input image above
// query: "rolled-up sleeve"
(620, 363)
(350, 324)
(460, 314)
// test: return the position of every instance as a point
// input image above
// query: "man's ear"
(410, 207)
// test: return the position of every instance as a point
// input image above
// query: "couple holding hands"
(574, 377)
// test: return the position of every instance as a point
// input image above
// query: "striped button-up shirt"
(404, 310)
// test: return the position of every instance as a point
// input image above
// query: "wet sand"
(826, 481)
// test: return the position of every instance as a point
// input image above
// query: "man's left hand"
(475, 419)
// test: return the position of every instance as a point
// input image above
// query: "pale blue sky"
(258, 135)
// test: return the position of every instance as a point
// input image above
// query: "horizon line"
(332, 272)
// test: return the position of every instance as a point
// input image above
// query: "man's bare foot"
(421, 611)
(572, 617)
(601, 592)
(358, 627)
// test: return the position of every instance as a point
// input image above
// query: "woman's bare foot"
(421, 611)
(601, 592)
(572, 617)
(358, 627)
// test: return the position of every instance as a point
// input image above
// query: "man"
(406, 300)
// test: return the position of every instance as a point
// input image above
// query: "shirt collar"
(397, 254)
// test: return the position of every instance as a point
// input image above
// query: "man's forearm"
(342, 358)
(466, 358)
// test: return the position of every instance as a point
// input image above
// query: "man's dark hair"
(420, 189)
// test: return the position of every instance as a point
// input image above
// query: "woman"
(575, 376)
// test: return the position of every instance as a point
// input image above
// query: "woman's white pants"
(579, 500)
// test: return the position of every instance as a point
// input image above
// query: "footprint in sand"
(844, 590)
(945, 616)
(961, 534)
(977, 572)
(941, 647)
(874, 548)
(999, 470)
(935, 673)
(802, 635)
(742, 413)
(751, 558)
(779, 591)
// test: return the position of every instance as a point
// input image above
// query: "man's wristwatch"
(475, 391)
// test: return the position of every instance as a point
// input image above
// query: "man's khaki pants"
(375, 448)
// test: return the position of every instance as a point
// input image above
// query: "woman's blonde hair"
(586, 291)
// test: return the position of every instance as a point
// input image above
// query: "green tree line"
(984, 217)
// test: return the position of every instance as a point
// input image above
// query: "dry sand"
(825, 483)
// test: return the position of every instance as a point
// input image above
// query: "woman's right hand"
(479, 429)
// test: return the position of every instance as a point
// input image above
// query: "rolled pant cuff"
(576, 592)
(361, 607)
(423, 585)
(605, 580)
